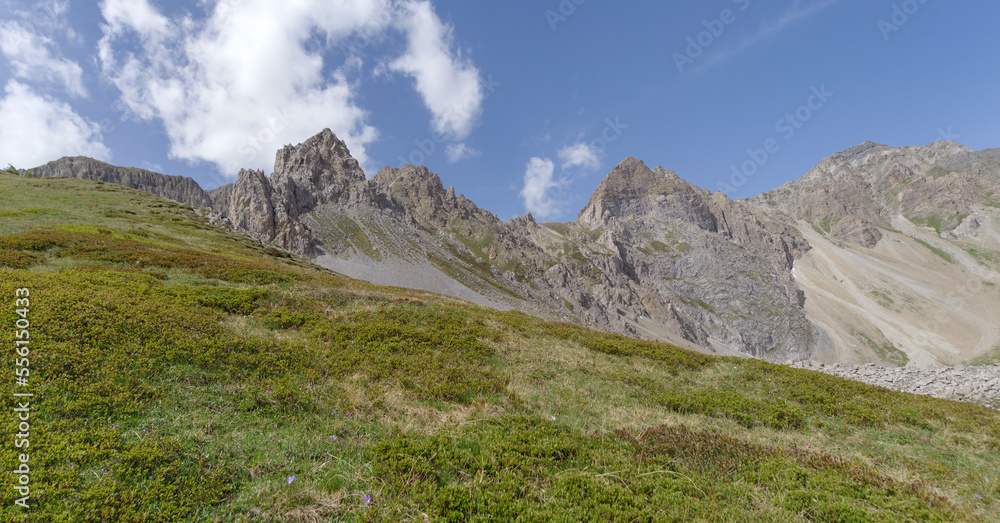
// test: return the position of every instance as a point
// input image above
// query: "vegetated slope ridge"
(181, 372)
(178, 188)
(797, 273)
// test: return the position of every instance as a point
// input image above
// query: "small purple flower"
(333, 437)
(978, 496)
(268, 391)
(290, 479)
(553, 418)
(368, 499)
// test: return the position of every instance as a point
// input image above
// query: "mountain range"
(878, 254)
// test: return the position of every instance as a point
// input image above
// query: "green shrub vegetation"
(939, 223)
(939, 171)
(938, 252)
(886, 350)
(182, 373)
(827, 224)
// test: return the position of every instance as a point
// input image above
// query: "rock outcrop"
(180, 189)
(318, 171)
(698, 262)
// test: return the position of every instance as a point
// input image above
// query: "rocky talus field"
(977, 384)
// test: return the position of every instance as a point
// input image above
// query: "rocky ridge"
(651, 255)
(854, 195)
(317, 172)
(181, 189)
(976, 384)
(905, 251)
(821, 268)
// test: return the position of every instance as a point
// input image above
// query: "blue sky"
(520, 105)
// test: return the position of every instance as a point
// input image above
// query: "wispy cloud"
(460, 151)
(447, 81)
(32, 57)
(45, 126)
(799, 12)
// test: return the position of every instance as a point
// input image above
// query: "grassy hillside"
(183, 374)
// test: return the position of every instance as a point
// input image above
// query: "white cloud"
(48, 17)
(249, 79)
(31, 57)
(538, 183)
(460, 151)
(579, 155)
(448, 83)
(37, 129)
(234, 87)
(139, 16)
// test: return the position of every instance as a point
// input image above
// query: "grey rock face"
(318, 171)
(857, 230)
(181, 189)
(969, 226)
(852, 194)
(701, 263)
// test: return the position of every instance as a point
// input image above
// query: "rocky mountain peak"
(249, 204)
(419, 193)
(319, 170)
(413, 188)
(633, 189)
(322, 153)
(632, 175)
(859, 153)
